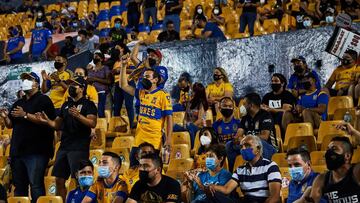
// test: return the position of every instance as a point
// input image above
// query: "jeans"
(101, 104)
(247, 19)
(150, 12)
(29, 169)
(133, 20)
(175, 18)
(191, 128)
(119, 96)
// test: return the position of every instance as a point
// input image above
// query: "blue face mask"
(86, 181)
(117, 25)
(247, 154)
(210, 163)
(14, 32)
(297, 173)
(104, 171)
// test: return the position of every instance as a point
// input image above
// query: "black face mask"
(72, 91)
(345, 62)
(227, 112)
(58, 65)
(152, 62)
(96, 60)
(185, 89)
(144, 176)
(334, 160)
(115, 54)
(216, 77)
(146, 83)
(298, 69)
(307, 85)
(275, 87)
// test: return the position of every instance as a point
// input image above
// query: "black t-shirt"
(133, 7)
(75, 135)
(276, 101)
(168, 190)
(118, 35)
(68, 50)
(28, 137)
(169, 4)
(249, 9)
(149, 3)
(261, 121)
(166, 36)
(325, 5)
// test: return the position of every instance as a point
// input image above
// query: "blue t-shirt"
(226, 131)
(12, 44)
(39, 41)
(295, 81)
(215, 31)
(220, 178)
(296, 189)
(76, 196)
(313, 100)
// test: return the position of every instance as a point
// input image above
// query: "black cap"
(30, 75)
(299, 58)
(77, 81)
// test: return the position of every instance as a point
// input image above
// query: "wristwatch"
(26, 116)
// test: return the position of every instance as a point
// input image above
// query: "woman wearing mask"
(216, 16)
(215, 174)
(85, 178)
(13, 48)
(195, 111)
(221, 87)
(199, 10)
(207, 137)
(100, 77)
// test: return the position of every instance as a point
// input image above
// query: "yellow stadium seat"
(123, 142)
(339, 114)
(100, 139)
(177, 175)
(18, 200)
(285, 172)
(124, 167)
(327, 139)
(181, 138)
(153, 38)
(184, 34)
(339, 102)
(278, 138)
(318, 158)
(50, 185)
(180, 151)
(306, 141)
(240, 35)
(312, 7)
(239, 161)
(102, 123)
(280, 159)
(197, 144)
(104, 6)
(186, 24)
(114, 123)
(296, 129)
(200, 161)
(356, 156)
(124, 153)
(49, 199)
(124, 17)
(104, 24)
(181, 164)
(143, 35)
(209, 117)
(271, 25)
(7, 151)
(178, 117)
(3, 161)
(328, 128)
(71, 183)
(95, 155)
(319, 169)
(114, 3)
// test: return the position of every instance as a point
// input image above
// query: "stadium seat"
(327, 139)
(115, 122)
(318, 158)
(115, 3)
(296, 129)
(271, 25)
(280, 159)
(71, 183)
(3, 161)
(178, 117)
(339, 102)
(200, 161)
(50, 185)
(181, 138)
(18, 200)
(95, 155)
(319, 169)
(104, 24)
(209, 117)
(124, 167)
(285, 172)
(143, 36)
(104, 6)
(239, 161)
(306, 141)
(356, 156)
(328, 128)
(102, 123)
(181, 164)
(177, 175)
(153, 38)
(7, 150)
(240, 35)
(100, 139)
(124, 153)
(186, 24)
(197, 144)
(180, 151)
(123, 142)
(339, 114)
(49, 199)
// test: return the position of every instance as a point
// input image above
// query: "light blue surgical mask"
(210, 163)
(297, 173)
(247, 154)
(104, 171)
(86, 181)
(307, 23)
(117, 25)
(329, 19)
(39, 24)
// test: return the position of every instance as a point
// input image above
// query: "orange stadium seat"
(181, 138)
(50, 199)
(180, 151)
(339, 102)
(306, 141)
(297, 129)
(280, 159)
(18, 200)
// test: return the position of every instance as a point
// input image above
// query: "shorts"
(67, 163)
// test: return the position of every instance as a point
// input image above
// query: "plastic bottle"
(347, 117)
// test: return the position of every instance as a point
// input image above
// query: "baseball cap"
(156, 52)
(330, 10)
(31, 75)
(78, 81)
(163, 72)
(299, 58)
(310, 75)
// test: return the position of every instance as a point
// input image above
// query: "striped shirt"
(254, 180)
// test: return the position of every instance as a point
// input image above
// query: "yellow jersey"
(131, 176)
(106, 194)
(117, 65)
(57, 91)
(154, 106)
(343, 77)
(214, 90)
(91, 94)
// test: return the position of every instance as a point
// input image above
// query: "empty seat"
(181, 138)
(307, 142)
(319, 168)
(49, 199)
(178, 117)
(102, 123)
(104, 24)
(95, 155)
(271, 25)
(296, 129)
(181, 164)
(180, 151)
(339, 102)
(339, 114)
(18, 200)
(50, 185)
(117, 126)
(328, 128)
(280, 159)
(123, 142)
(124, 153)
(239, 161)
(318, 158)
(99, 141)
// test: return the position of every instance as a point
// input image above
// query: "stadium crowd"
(298, 143)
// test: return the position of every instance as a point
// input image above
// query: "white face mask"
(26, 85)
(243, 111)
(216, 11)
(262, 1)
(199, 11)
(205, 140)
(78, 38)
(39, 14)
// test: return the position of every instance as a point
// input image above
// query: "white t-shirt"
(94, 39)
